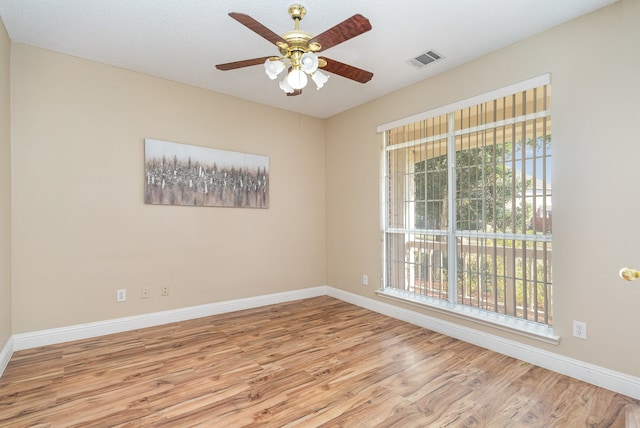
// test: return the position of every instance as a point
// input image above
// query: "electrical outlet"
(365, 280)
(121, 295)
(580, 329)
(164, 290)
(146, 293)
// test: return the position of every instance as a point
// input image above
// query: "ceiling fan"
(298, 51)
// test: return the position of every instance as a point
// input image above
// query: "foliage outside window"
(468, 210)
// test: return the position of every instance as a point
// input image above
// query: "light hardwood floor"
(310, 363)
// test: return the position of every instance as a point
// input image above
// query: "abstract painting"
(182, 174)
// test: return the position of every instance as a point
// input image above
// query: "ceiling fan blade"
(240, 64)
(257, 27)
(347, 29)
(346, 70)
(294, 93)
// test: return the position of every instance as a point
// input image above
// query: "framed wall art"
(182, 174)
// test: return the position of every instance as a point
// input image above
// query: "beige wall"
(595, 70)
(81, 229)
(5, 190)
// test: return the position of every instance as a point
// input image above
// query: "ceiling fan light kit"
(298, 49)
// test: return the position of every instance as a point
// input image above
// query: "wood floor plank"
(312, 363)
(632, 416)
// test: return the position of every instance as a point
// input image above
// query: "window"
(468, 209)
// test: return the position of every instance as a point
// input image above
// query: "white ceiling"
(182, 40)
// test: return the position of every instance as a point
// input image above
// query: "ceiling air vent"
(425, 59)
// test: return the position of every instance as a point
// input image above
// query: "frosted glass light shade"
(309, 62)
(319, 78)
(273, 68)
(284, 85)
(297, 79)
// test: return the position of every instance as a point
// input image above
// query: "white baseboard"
(83, 331)
(595, 375)
(600, 376)
(5, 355)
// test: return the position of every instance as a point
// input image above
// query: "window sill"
(529, 329)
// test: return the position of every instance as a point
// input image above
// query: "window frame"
(451, 307)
